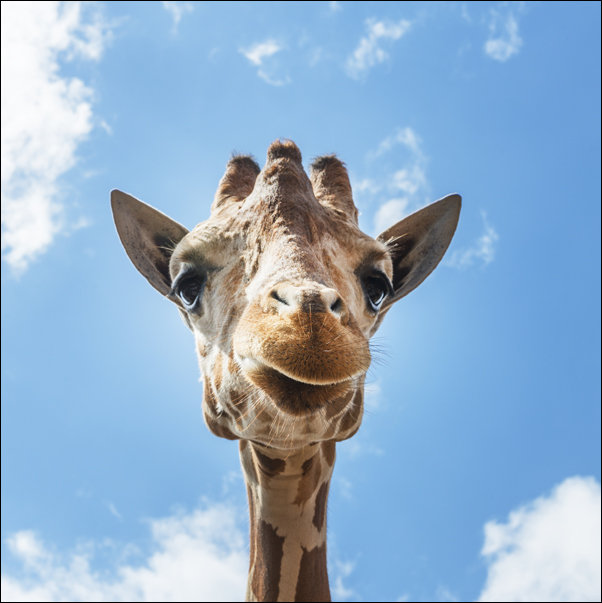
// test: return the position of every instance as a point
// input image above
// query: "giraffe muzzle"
(300, 346)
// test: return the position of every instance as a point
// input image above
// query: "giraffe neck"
(287, 505)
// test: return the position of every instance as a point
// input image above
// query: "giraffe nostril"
(336, 306)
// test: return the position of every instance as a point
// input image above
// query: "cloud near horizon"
(548, 549)
(196, 556)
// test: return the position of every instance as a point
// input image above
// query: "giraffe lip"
(292, 395)
(252, 365)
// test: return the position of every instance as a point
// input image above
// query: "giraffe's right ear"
(149, 238)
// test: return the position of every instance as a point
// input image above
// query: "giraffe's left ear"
(418, 243)
(149, 238)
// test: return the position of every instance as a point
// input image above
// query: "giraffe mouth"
(251, 365)
(294, 395)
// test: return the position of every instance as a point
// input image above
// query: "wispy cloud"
(196, 556)
(341, 570)
(504, 40)
(261, 55)
(45, 117)
(549, 549)
(406, 137)
(335, 6)
(370, 51)
(482, 252)
(177, 10)
(398, 183)
(113, 510)
(260, 51)
(389, 213)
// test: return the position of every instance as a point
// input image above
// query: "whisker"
(254, 419)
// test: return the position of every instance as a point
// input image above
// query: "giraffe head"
(283, 291)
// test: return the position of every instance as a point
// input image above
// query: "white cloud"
(197, 556)
(482, 252)
(370, 51)
(258, 52)
(549, 549)
(409, 180)
(334, 6)
(262, 56)
(113, 510)
(402, 136)
(504, 39)
(177, 10)
(341, 570)
(44, 117)
(390, 213)
(401, 185)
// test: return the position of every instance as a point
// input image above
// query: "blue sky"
(476, 473)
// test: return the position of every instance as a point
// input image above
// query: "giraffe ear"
(149, 238)
(418, 243)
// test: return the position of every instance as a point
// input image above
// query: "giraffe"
(282, 292)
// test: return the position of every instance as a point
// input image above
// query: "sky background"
(476, 473)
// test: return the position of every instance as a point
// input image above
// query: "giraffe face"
(283, 291)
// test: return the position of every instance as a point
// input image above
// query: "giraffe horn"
(331, 185)
(238, 181)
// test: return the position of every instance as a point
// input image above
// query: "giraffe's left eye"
(376, 289)
(190, 291)
(188, 286)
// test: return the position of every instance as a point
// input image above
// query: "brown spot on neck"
(312, 584)
(309, 480)
(268, 466)
(265, 572)
(320, 510)
(329, 449)
(307, 465)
